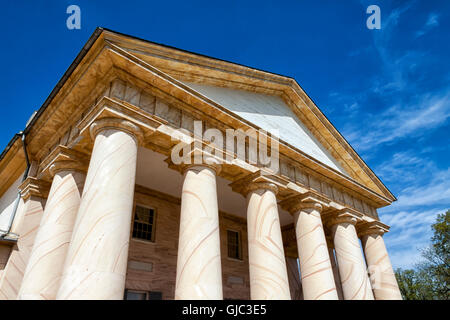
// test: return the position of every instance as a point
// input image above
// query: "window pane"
(234, 247)
(143, 226)
(133, 295)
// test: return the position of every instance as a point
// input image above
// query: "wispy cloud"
(423, 184)
(432, 22)
(436, 192)
(404, 166)
(430, 111)
(409, 109)
(425, 192)
(411, 232)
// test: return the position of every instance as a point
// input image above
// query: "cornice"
(12, 165)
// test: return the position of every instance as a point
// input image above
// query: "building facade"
(269, 201)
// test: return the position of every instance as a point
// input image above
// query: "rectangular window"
(234, 244)
(142, 295)
(135, 295)
(144, 223)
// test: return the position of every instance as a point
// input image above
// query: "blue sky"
(387, 91)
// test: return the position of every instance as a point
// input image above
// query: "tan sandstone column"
(96, 261)
(382, 276)
(352, 270)
(315, 266)
(43, 273)
(34, 192)
(199, 272)
(268, 273)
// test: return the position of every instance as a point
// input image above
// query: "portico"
(119, 218)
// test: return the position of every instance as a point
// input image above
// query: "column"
(352, 270)
(315, 266)
(95, 266)
(44, 270)
(382, 276)
(29, 213)
(199, 272)
(268, 274)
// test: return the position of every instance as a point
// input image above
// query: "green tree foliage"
(430, 279)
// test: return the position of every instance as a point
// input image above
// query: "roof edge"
(96, 34)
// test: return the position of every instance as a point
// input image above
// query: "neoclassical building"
(93, 205)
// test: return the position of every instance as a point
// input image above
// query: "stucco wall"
(7, 201)
(271, 114)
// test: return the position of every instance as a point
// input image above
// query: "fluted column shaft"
(354, 278)
(199, 272)
(96, 261)
(384, 283)
(44, 269)
(268, 274)
(315, 266)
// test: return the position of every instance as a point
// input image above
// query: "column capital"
(371, 228)
(33, 186)
(195, 157)
(121, 116)
(345, 215)
(308, 200)
(259, 180)
(118, 124)
(63, 159)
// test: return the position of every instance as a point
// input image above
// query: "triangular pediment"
(243, 97)
(270, 113)
(262, 98)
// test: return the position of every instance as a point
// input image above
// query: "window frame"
(153, 232)
(147, 293)
(239, 245)
(134, 291)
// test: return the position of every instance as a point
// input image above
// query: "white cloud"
(423, 183)
(425, 195)
(432, 22)
(413, 112)
(410, 232)
(400, 121)
(436, 192)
